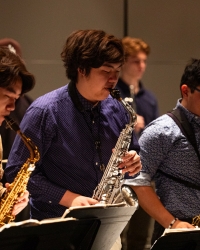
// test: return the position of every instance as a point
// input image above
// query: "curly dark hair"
(191, 75)
(12, 67)
(86, 49)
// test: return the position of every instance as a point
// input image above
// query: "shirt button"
(97, 163)
(50, 201)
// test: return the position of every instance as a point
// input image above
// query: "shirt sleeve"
(142, 179)
(155, 143)
(43, 190)
(41, 131)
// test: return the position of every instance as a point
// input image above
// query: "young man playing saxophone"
(76, 127)
(15, 80)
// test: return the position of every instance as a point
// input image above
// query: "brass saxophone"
(18, 186)
(111, 190)
(196, 221)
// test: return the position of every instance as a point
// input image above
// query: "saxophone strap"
(181, 120)
(179, 180)
(74, 97)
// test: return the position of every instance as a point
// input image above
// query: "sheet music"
(33, 222)
(122, 204)
(178, 230)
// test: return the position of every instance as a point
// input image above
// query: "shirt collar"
(190, 116)
(141, 88)
(79, 101)
(86, 104)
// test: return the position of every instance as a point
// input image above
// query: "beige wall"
(41, 26)
(172, 28)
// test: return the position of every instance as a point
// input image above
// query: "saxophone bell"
(129, 196)
(196, 221)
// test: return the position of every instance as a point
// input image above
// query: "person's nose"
(114, 77)
(11, 106)
(142, 64)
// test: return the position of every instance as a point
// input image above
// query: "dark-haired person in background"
(15, 80)
(172, 161)
(72, 162)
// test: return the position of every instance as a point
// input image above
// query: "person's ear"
(81, 71)
(184, 90)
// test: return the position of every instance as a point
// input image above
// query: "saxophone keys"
(112, 181)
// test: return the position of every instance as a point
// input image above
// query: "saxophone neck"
(132, 113)
(115, 93)
(10, 123)
(31, 147)
(34, 154)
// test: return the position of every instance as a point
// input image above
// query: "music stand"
(113, 220)
(185, 240)
(63, 235)
(92, 227)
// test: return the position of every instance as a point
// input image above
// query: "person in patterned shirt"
(171, 161)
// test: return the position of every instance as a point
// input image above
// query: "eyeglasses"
(197, 89)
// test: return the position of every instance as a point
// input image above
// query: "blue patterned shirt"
(163, 146)
(65, 137)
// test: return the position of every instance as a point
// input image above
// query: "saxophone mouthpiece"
(10, 123)
(115, 93)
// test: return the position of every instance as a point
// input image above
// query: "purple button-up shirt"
(66, 139)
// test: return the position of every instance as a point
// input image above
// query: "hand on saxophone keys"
(21, 203)
(130, 163)
(71, 199)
